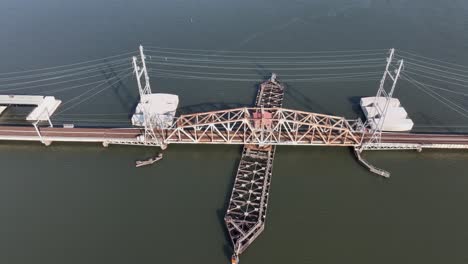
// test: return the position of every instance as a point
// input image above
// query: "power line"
(432, 64)
(436, 79)
(50, 84)
(77, 69)
(443, 89)
(439, 75)
(435, 69)
(23, 118)
(256, 68)
(264, 57)
(422, 88)
(201, 60)
(160, 70)
(431, 59)
(264, 52)
(90, 90)
(348, 78)
(91, 96)
(68, 65)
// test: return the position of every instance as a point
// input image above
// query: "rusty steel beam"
(246, 213)
(262, 126)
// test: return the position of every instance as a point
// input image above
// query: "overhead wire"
(92, 95)
(262, 57)
(442, 78)
(443, 89)
(78, 86)
(435, 79)
(350, 78)
(68, 65)
(410, 59)
(432, 69)
(64, 75)
(77, 69)
(55, 83)
(432, 59)
(191, 58)
(254, 74)
(254, 52)
(23, 118)
(90, 90)
(295, 62)
(438, 97)
(256, 68)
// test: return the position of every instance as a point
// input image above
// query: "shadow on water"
(210, 106)
(215, 106)
(356, 107)
(121, 91)
(262, 71)
(227, 247)
(302, 100)
(292, 92)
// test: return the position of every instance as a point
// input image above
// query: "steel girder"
(262, 126)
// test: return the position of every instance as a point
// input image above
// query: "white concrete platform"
(396, 117)
(46, 105)
(45, 109)
(21, 99)
(392, 112)
(161, 107)
(394, 125)
(370, 101)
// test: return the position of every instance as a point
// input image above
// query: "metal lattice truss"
(262, 126)
(383, 93)
(246, 213)
(270, 94)
(144, 88)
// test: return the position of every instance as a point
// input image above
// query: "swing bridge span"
(259, 129)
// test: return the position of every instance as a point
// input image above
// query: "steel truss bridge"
(262, 126)
(260, 129)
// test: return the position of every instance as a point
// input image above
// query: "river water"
(75, 203)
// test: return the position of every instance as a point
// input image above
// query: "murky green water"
(73, 203)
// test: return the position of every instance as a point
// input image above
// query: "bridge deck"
(282, 137)
(28, 133)
(246, 213)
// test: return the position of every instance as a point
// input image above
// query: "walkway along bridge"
(260, 129)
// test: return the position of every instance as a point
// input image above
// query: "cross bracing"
(262, 126)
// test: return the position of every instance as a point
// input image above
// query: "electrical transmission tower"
(144, 89)
(393, 73)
